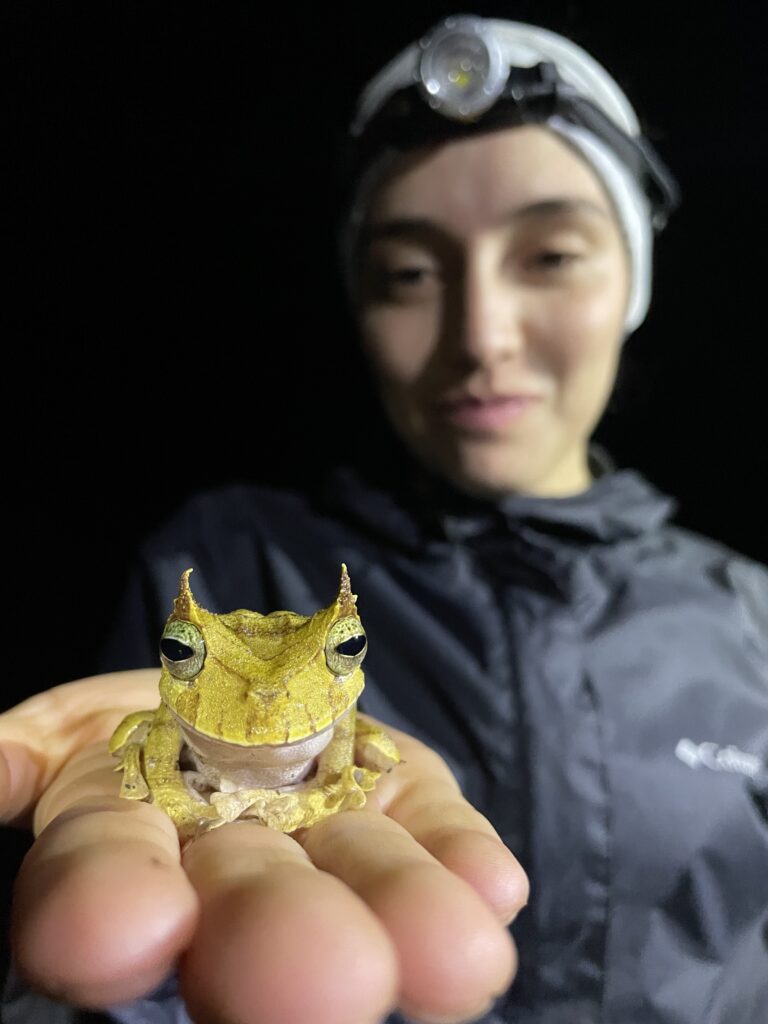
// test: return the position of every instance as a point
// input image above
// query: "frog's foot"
(134, 785)
(288, 810)
(374, 748)
(281, 811)
(191, 814)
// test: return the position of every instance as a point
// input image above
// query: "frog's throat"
(239, 765)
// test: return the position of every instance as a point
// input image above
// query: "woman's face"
(495, 283)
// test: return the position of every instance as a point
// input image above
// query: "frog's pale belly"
(228, 767)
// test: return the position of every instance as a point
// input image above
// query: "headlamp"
(472, 73)
(462, 70)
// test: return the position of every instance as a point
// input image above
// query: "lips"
(489, 413)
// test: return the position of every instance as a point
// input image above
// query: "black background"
(177, 318)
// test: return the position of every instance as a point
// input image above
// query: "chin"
(491, 487)
(485, 475)
(496, 473)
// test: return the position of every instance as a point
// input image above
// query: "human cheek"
(578, 343)
(575, 330)
(400, 342)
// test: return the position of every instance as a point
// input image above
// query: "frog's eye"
(345, 646)
(182, 649)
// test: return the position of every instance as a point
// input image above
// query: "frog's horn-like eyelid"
(346, 599)
(184, 605)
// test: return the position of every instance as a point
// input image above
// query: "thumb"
(39, 736)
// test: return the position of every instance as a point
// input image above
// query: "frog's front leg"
(126, 743)
(360, 745)
(374, 748)
(340, 752)
(167, 787)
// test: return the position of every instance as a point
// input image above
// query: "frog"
(257, 718)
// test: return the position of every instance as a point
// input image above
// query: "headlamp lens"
(462, 72)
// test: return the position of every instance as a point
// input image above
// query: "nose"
(485, 325)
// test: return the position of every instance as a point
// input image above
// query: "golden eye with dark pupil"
(174, 650)
(350, 648)
(345, 646)
(182, 650)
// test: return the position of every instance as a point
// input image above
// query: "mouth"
(486, 414)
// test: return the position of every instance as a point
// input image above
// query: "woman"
(594, 677)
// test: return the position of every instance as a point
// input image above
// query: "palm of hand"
(403, 903)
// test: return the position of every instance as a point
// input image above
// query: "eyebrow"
(410, 227)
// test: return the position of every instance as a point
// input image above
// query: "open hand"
(404, 903)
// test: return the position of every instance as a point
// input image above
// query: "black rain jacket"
(596, 678)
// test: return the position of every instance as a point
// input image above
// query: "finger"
(422, 795)
(279, 940)
(21, 773)
(102, 908)
(90, 773)
(454, 956)
(41, 734)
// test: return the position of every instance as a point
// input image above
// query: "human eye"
(404, 281)
(554, 260)
(411, 278)
(553, 251)
(406, 275)
(549, 263)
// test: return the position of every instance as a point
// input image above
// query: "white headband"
(632, 209)
(526, 46)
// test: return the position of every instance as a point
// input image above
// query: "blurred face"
(495, 283)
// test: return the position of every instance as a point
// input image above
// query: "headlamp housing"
(462, 71)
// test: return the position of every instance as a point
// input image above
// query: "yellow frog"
(257, 718)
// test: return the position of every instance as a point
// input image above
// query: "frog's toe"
(230, 806)
(347, 793)
(134, 789)
(366, 778)
(208, 824)
(284, 812)
(192, 828)
(375, 749)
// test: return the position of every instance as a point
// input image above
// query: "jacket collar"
(415, 508)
